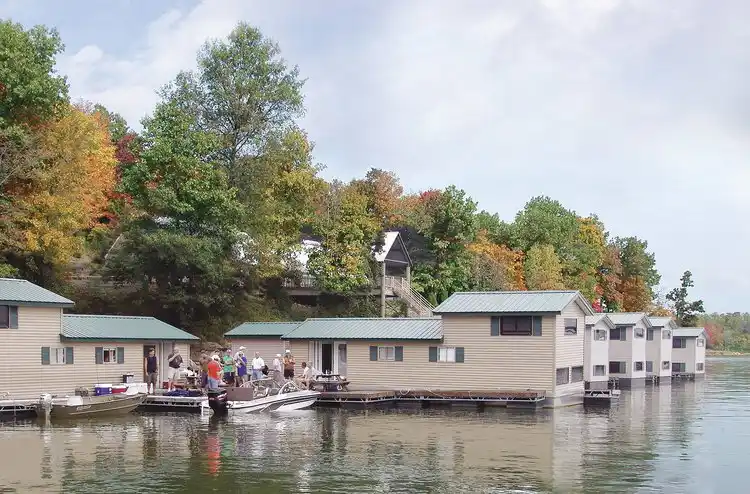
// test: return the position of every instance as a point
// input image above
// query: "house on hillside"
(44, 350)
(689, 352)
(393, 278)
(627, 348)
(596, 351)
(261, 337)
(659, 349)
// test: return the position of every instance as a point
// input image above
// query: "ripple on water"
(687, 438)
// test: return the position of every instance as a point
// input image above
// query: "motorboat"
(264, 395)
(89, 406)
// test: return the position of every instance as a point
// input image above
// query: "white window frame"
(570, 325)
(112, 353)
(447, 354)
(639, 330)
(598, 333)
(666, 365)
(702, 367)
(603, 368)
(57, 355)
(700, 342)
(573, 376)
(383, 352)
(635, 366)
(557, 376)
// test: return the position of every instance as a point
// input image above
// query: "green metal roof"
(629, 318)
(259, 329)
(22, 292)
(358, 328)
(119, 328)
(689, 332)
(515, 302)
(596, 318)
(662, 322)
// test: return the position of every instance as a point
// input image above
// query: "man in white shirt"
(306, 376)
(278, 375)
(257, 364)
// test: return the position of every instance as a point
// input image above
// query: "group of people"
(151, 369)
(236, 370)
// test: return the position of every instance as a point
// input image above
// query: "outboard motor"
(44, 406)
(217, 401)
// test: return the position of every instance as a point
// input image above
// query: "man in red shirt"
(214, 373)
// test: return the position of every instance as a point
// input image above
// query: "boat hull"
(281, 402)
(99, 406)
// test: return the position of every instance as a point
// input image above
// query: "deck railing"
(402, 288)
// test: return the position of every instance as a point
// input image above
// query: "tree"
(609, 279)
(342, 265)
(65, 195)
(117, 125)
(383, 191)
(686, 312)
(495, 267)
(715, 334)
(639, 275)
(543, 269)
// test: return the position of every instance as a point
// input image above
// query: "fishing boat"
(90, 406)
(260, 396)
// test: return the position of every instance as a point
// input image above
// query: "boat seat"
(240, 394)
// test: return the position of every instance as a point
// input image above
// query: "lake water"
(690, 438)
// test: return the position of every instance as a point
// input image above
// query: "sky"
(636, 110)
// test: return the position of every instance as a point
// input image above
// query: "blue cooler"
(102, 389)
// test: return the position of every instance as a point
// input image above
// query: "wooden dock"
(426, 398)
(14, 409)
(162, 403)
(600, 397)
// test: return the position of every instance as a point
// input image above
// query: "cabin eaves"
(262, 329)
(344, 328)
(119, 328)
(24, 293)
(688, 332)
(629, 318)
(601, 317)
(512, 302)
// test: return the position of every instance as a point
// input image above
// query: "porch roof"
(512, 302)
(597, 318)
(662, 322)
(261, 329)
(120, 328)
(375, 328)
(689, 332)
(629, 318)
(25, 293)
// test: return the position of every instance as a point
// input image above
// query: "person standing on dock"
(174, 360)
(241, 361)
(228, 362)
(288, 365)
(150, 370)
(278, 369)
(257, 365)
(214, 372)
(204, 370)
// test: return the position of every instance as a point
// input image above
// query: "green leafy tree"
(686, 312)
(639, 274)
(543, 269)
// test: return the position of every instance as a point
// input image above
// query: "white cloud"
(632, 109)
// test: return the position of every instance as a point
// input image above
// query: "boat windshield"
(268, 386)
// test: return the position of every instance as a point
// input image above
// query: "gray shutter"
(536, 326)
(495, 326)
(13, 317)
(433, 353)
(399, 354)
(624, 334)
(68, 355)
(45, 355)
(460, 354)
(373, 353)
(99, 355)
(120, 354)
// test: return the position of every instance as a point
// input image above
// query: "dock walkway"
(425, 398)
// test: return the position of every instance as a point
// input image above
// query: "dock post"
(382, 290)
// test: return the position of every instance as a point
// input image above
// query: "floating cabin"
(689, 353)
(659, 350)
(627, 348)
(596, 351)
(44, 350)
(393, 279)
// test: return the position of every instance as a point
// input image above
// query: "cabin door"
(340, 358)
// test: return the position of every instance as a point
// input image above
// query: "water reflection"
(686, 438)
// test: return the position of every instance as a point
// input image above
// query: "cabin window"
(638, 366)
(700, 342)
(447, 354)
(571, 326)
(517, 326)
(699, 366)
(600, 370)
(563, 376)
(600, 335)
(110, 355)
(57, 356)
(638, 332)
(618, 334)
(649, 366)
(8, 316)
(387, 353)
(665, 365)
(679, 343)
(576, 374)
(678, 366)
(650, 335)
(666, 334)
(617, 367)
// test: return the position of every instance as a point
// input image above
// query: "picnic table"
(330, 382)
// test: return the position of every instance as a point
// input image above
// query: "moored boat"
(90, 406)
(266, 397)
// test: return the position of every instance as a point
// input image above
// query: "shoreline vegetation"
(196, 219)
(726, 353)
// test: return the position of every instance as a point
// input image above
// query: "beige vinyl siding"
(501, 362)
(301, 353)
(267, 347)
(569, 348)
(22, 374)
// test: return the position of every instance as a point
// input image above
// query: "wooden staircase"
(417, 305)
